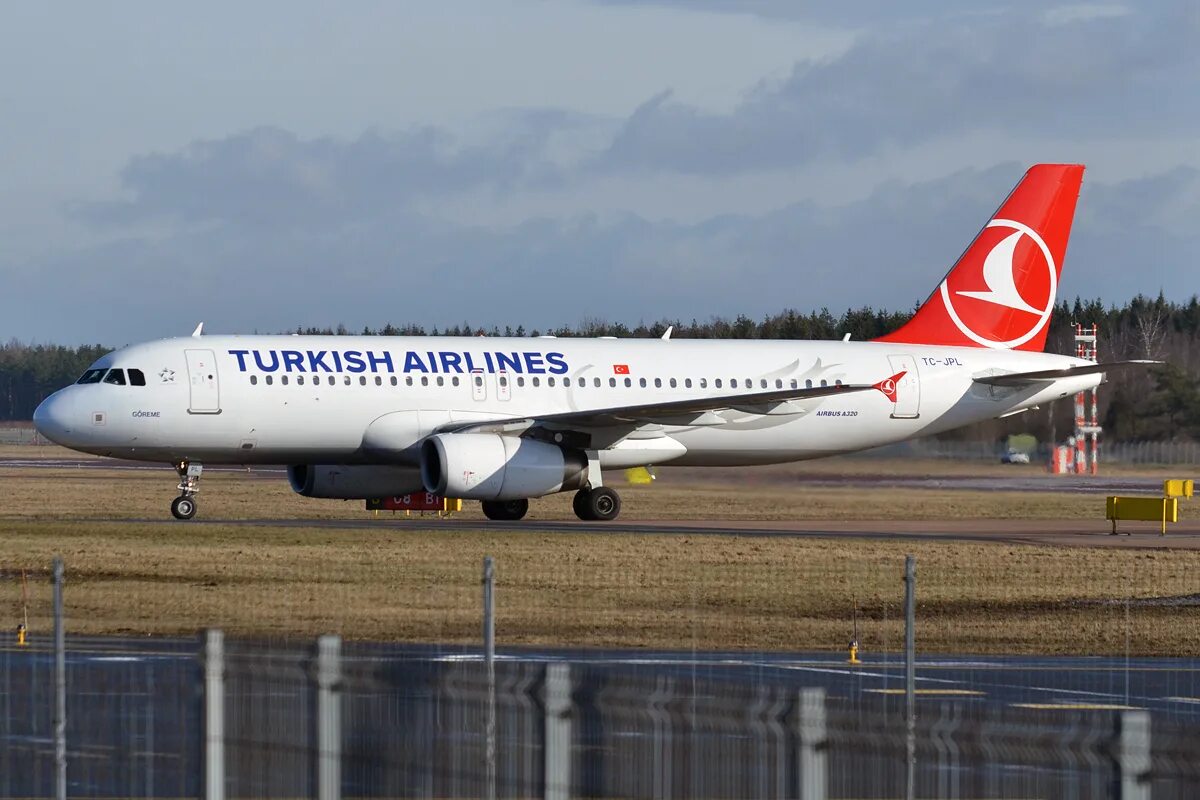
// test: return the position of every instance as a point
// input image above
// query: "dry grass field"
(410, 580)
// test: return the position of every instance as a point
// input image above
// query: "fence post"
(1132, 751)
(329, 717)
(813, 738)
(489, 655)
(557, 746)
(214, 715)
(60, 686)
(910, 674)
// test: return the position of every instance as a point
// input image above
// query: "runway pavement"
(1086, 533)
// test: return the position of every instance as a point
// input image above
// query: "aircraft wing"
(1029, 378)
(694, 411)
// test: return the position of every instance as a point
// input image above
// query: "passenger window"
(549, 381)
(795, 383)
(479, 380)
(808, 384)
(674, 385)
(270, 380)
(503, 380)
(536, 381)
(116, 377)
(299, 380)
(704, 383)
(347, 380)
(254, 380)
(612, 382)
(763, 383)
(283, 379)
(91, 376)
(566, 381)
(596, 382)
(520, 381)
(837, 383)
(362, 380)
(658, 383)
(628, 382)
(454, 381)
(408, 381)
(332, 380)
(137, 377)
(823, 383)
(642, 382)
(441, 381)
(424, 380)
(750, 383)
(687, 383)
(394, 381)
(717, 383)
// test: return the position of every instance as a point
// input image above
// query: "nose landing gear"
(184, 506)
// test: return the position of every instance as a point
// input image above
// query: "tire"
(603, 504)
(505, 510)
(581, 507)
(183, 507)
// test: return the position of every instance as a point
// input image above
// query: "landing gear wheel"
(183, 507)
(505, 510)
(580, 505)
(600, 504)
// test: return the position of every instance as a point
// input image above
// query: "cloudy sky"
(497, 161)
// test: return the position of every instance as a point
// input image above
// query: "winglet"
(199, 330)
(667, 333)
(888, 385)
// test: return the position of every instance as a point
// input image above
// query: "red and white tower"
(1086, 430)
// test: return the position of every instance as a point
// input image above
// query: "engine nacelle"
(488, 466)
(357, 482)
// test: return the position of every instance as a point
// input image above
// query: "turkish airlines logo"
(1000, 277)
(888, 385)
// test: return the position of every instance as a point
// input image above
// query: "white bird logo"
(999, 277)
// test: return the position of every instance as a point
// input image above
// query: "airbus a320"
(506, 420)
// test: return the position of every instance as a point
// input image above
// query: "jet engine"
(357, 482)
(488, 466)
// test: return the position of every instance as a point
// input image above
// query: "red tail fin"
(1000, 293)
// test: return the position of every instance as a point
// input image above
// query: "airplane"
(505, 420)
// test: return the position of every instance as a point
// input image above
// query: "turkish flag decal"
(620, 369)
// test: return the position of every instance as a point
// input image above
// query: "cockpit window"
(91, 376)
(137, 377)
(115, 377)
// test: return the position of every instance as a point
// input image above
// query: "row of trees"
(1163, 403)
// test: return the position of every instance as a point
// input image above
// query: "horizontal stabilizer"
(1027, 378)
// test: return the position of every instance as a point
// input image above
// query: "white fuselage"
(363, 400)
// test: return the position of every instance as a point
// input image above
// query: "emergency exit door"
(908, 388)
(204, 382)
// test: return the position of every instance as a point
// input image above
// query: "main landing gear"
(184, 506)
(601, 504)
(505, 510)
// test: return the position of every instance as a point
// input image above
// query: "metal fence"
(245, 719)
(216, 717)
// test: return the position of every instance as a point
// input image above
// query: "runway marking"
(1076, 707)
(1194, 700)
(938, 692)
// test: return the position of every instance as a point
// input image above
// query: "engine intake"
(488, 466)
(357, 482)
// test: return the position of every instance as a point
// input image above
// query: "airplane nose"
(52, 418)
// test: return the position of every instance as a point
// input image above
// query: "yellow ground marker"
(1076, 707)
(938, 692)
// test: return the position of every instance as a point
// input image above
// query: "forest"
(1162, 403)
